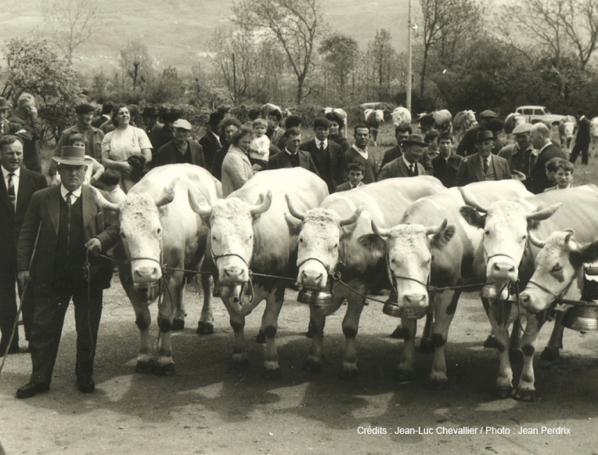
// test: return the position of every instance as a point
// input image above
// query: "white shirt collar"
(290, 153)
(76, 193)
(5, 173)
(325, 142)
(407, 163)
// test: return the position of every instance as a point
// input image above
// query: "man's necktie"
(69, 198)
(11, 191)
(532, 162)
(486, 165)
(412, 169)
(322, 148)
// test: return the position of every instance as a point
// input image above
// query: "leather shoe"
(86, 385)
(32, 388)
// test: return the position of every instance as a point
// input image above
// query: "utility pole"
(409, 75)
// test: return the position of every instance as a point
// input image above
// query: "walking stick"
(21, 300)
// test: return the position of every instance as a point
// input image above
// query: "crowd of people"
(53, 235)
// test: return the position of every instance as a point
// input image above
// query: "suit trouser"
(50, 309)
(583, 148)
(8, 310)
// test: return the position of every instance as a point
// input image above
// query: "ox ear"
(473, 217)
(375, 244)
(167, 197)
(440, 240)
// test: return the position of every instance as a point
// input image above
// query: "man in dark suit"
(467, 146)
(182, 149)
(291, 156)
(62, 233)
(105, 116)
(543, 151)
(26, 117)
(17, 187)
(402, 132)
(325, 154)
(407, 165)
(164, 133)
(446, 164)
(483, 165)
(582, 139)
(210, 142)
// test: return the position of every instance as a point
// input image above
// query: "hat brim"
(407, 142)
(71, 161)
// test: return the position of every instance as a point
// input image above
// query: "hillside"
(176, 31)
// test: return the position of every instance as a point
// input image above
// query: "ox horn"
(570, 242)
(167, 196)
(351, 219)
(262, 204)
(545, 213)
(104, 203)
(380, 232)
(292, 210)
(433, 230)
(469, 199)
(201, 210)
(535, 240)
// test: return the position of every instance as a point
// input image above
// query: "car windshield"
(546, 111)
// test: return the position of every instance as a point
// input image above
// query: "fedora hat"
(485, 135)
(71, 156)
(416, 139)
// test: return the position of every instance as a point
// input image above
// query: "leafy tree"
(340, 51)
(295, 24)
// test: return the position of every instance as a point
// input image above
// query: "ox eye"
(123, 235)
(300, 240)
(557, 268)
(524, 238)
(486, 232)
(159, 230)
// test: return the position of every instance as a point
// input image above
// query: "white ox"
(332, 239)
(434, 245)
(507, 256)
(594, 134)
(373, 119)
(252, 233)
(158, 229)
(401, 116)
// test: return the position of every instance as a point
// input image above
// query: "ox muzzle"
(313, 274)
(408, 299)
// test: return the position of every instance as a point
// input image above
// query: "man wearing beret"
(467, 146)
(518, 154)
(182, 149)
(63, 232)
(483, 165)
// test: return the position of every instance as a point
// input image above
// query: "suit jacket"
(347, 186)
(370, 166)
(160, 136)
(391, 154)
(44, 214)
(583, 132)
(471, 170)
(398, 168)
(342, 141)
(96, 123)
(11, 222)
(327, 163)
(518, 159)
(167, 154)
(446, 170)
(282, 160)
(538, 181)
(277, 136)
(210, 144)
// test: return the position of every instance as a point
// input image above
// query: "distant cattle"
(440, 119)
(462, 122)
(401, 116)
(513, 120)
(373, 119)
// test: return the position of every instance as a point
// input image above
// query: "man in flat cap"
(406, 165)
(483, 165)
(181, 149)
(26, 117)
(467, 146)
(517, 154)
(63, 231)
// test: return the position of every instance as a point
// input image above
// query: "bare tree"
(296, 25)
(69, 23)
(559, 27)
(136, 63)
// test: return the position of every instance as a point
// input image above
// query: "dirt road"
(208, 408)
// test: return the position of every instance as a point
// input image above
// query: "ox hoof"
(241, 364)
(261, 337)
(403, 375)
(550, 354)
(164, 370)
(426, 346)
(524, 395)
(270, 375)
(347, 375)
(178, 324)
(437, 384)
(400, 333)
(503, 391)
(311, 366)
(491, 342)
(145, 366)
(205, 328)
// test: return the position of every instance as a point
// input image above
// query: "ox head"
(401, 116)
(558, 270)
(410, 253)
(319, 243)
(231, 234)
(506, 225)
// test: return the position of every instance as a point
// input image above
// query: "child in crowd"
(563, 175)
(355, 171)
(259, 150)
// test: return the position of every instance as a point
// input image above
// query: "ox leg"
(167, 311)
(179, 316)
(426, 344)
(551, 352)
(406, 366)
(205, 326)
(317, 320)
(526, 390)
(350, 328)
(237, 322)
(445, 305)
(499, 320)
(274, 302)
